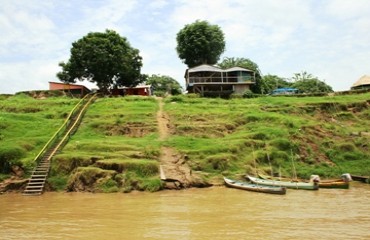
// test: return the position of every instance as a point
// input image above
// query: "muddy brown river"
(212, 213)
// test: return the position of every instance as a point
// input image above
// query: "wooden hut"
(74, 89)
(362, 83)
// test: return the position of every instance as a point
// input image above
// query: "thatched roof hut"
(362, 83)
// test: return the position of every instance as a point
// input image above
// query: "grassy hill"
(118, 147)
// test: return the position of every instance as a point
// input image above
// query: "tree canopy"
(272, 82)
(200, 43)
(164, 85)
(307, 83)
(106, 59)
(229, 62)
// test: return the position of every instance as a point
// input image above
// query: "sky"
(329, 39)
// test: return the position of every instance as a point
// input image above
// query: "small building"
(285, 91)
(208, 80)
(140, 90)
(74, 89)
(362, 83)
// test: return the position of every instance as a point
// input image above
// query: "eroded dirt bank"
(174, 170)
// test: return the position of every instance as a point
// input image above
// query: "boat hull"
(334, 184)
(330, 183)
(291, 185)
(254, 187)
(364, 179)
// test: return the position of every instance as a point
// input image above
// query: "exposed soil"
(175, 172)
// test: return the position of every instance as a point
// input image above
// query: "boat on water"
(312, 185)
(364, 179)
(342, 183)
(254, 187)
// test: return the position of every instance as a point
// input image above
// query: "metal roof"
(205, 68)
(234, 69)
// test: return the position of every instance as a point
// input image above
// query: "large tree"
(200, 43)
(272, 82)
(229, 62)
(106, 59)
(164, 85)
(307, 83)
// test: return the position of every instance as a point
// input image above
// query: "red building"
(143, 90)
(74, 89)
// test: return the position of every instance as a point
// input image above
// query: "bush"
(282, 144)
(108, 185)
(151, 185)
(249, 94)
(9, 156)
(58, 182)
(346, 147)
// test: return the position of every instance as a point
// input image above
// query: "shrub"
(58, 182)
(9, 156)
(219, 162)
(250, 94)
(108, 185)
(178, 98)
(150, 184)
(142, 168)
(260, 136)
(282, 144)
(346, 147)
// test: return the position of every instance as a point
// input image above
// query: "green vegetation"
(117, 146)
(163, 85)
(200, 43)
(316, 134)
(118, 135)
(26, 124)
(104, 58)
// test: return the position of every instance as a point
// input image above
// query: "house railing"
(220, 80)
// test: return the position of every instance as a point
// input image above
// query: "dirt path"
(163, 121)
(173, 168)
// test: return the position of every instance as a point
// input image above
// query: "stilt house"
(208, 80)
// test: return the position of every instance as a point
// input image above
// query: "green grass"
(279, 127)
(26, 124)
(117, 146)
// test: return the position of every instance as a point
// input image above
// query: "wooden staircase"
(36, 183)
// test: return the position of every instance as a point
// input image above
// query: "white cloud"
(329, 39)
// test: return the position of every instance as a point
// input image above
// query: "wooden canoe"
(254, 187)
(364, 179)
(334, 183)
(342, 183)
(312, 185)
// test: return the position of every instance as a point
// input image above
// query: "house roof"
(139, 86)
(364, 80)
(69, 84)
(205, 68)
(234, 69)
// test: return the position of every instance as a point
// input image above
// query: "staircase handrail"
(56, 134)
(77, 121)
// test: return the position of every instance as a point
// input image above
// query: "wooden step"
(32, 194)
(32, 190)
(35, 183)
(34, 187)
(42, 171)
(37, 179)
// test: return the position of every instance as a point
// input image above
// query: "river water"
(211, 213)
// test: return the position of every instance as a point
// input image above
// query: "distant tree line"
(203, 43)
(110, 61)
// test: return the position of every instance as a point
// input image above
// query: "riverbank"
(123, 144)
(211, 213)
